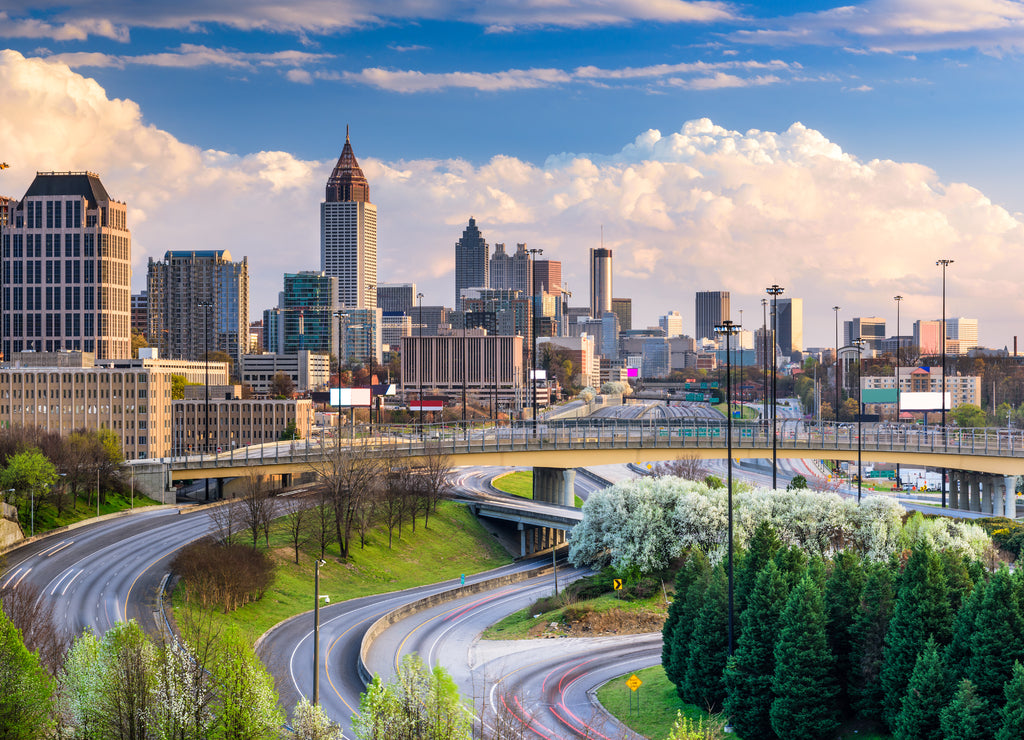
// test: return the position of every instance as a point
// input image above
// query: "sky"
(835, 150)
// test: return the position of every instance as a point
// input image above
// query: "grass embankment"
(520, 483)
(747, 412)
(655, 712)
(455, 543)
(605, 614)
(48, 518)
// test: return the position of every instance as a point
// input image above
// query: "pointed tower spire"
(347, 182)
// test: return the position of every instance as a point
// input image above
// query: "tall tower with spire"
(348, 232)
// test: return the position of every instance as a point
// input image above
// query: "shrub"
(227, 576)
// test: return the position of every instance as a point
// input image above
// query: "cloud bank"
(703, 208)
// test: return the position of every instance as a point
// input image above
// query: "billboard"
(923, 401)
(632, 372)
(346, 397)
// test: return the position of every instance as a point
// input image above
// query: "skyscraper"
(870, 328)
(348, 232)
(180, 285)
(712, 308)
(790, 337)
(672, 324)
(548, 276)
(600, 282)
(396, 297)
(304, 318)
(68, 224)
(623, 308)
(471, 264)
(511, 271)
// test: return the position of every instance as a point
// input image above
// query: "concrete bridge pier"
(555, 485)
(533, 539)
(1010, 496)
(987, 498)
(154, 480)
(973, 487)
(956, 479)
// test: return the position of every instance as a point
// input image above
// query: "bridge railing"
(819, 438)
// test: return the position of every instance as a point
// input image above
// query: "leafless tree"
(352, 476)
(227, 521)
(256, 508)
(322, 519)
(687, 466)
(434, 472)
(393, 500)
(25, 608)
(282, 386)
(298, 519)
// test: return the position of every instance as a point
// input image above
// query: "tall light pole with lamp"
(775, 291)
(205, 305)
(729, 329)
(764, 353)
(898, 299)
(945, 471)
(533, 333)
(419, 358)
(316, 629)
(859, 344)
(838, 379)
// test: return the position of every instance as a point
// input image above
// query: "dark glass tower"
(471, 262)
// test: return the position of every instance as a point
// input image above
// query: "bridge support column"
(973, 482)
(1010, 496)
(987, 498)
(555, 485)
(522, 540)
(955, 482)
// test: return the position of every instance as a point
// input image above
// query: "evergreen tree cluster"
(928, 644)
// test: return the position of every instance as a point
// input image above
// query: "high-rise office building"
(5, 209)
(361, 336)
(790, 337)
(180, 324)
(623, 308)
(928, 337)
(672, 324)
(511, 271)
(472, 267)
(712, 308)
(67, 269)
(348, 233)
(305, 315)
(961, 335)
(396, 297)
(547, 275)
(600, 282)
(140, 313)
(871, 329)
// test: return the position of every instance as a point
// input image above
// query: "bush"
(227, 576)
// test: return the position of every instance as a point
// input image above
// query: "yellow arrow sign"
(633, 682)
(617, 584)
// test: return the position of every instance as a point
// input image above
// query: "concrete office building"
(928, 337)
(308, 370)
(472, 266)
(489, 367)
(180, 326)
(140, 314)
(600, 282)
(961, 335)
(711, 309)
(348, 233)
(395, 325)
(396, 297)
(305, 315)
(511, 271)
(236, 423)
(870, 329)
(672, 324)
(580, 351)
(66, 269)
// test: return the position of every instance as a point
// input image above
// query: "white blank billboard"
(922, 402)
(350, 397)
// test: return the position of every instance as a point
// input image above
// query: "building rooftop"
(85, 184)
(347, 182)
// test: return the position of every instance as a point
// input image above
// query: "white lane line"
(69, 544)
(68, 584)
(11, 578)
(52, 546)
(22, 578)
(56, 585)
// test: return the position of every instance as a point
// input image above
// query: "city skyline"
(835, 153)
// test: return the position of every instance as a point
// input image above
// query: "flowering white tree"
(643, 524)
(310, 722)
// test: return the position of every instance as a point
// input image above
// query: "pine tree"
(998, 639)
(709, 647)
(689, 597)
(921, 611)
(695, 570)
(958, 578)
(1012, 713)
(927, 693)
(763, 545)
(748, 676)
(966, 716)
(842, 605)
(958, 654)
(873, 617)
(792, 562)
(804, 707)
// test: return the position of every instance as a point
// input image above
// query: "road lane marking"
(11, 578)
(22, 578)
(44, 552)
(68, 585)
(56, 585)
(69, 544)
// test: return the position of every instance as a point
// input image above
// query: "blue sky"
(836, 150)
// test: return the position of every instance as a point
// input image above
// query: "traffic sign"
(633, 682)
(617, 584)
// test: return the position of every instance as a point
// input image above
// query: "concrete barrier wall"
(378, 627)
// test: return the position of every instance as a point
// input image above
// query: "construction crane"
(4, 165)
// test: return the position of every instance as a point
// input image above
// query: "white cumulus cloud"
(701, 208)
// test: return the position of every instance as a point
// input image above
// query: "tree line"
(930, 641)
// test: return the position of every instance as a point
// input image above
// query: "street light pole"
(764, 352)
(898, 299)
(205, 305)
(729, 329)
(419, 358)
(859, 344)
(836, 364)
(533, 332)
(316, 631)
(775, 291)
(945, 471)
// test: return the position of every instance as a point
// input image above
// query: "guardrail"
(453, 439)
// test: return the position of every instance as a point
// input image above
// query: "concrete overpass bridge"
(983, 462)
